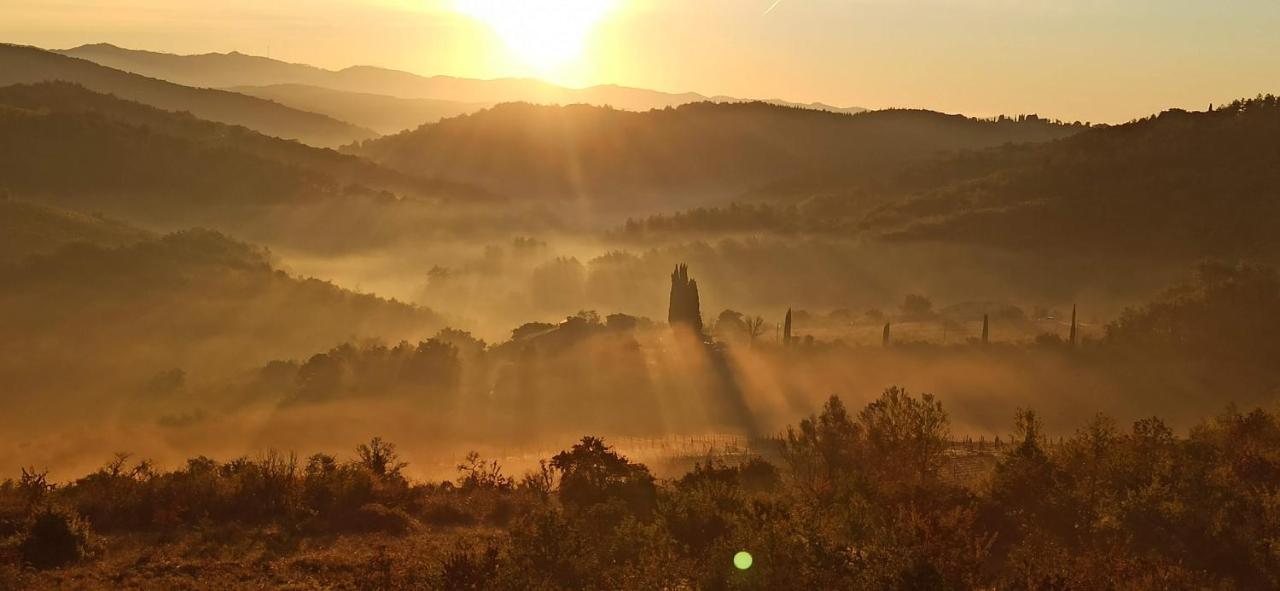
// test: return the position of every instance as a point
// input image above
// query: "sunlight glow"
(545, 34)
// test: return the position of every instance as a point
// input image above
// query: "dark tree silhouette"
(684, 308)
(1072, 338)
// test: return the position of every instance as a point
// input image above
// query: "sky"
(1086, 60)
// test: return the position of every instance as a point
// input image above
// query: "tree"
(474, 473)
(1072, 338)
(731, 325)
(684, 308)
(905, 436)
(591, 473)
(380, 458)
(917, 307)
(821, 450)
(755, 327)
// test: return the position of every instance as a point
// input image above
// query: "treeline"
(844, 500)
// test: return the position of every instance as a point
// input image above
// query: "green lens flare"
(742, 560)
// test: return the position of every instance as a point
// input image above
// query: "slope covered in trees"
(194, 300)
(29, 228)
(1184, 183)
(26, 65)
(65, 142)
(697, 149)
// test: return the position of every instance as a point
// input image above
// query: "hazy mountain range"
(372, 90)
(1180, 181)
(381, 113)
(24, 65)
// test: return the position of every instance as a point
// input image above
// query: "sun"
(545, 34)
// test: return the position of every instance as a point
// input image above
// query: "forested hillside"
(195, 300)
(1185, 183)
(62, 141)
(30, 228)
(1180, 184)
(703, 149)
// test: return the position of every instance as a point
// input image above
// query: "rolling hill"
(62, 140)
(28, 229)
(698, 149)
(26, 65)
(197, 300)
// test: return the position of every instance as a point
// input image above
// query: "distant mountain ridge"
(27, 65)
(226, 70)
(381, 113)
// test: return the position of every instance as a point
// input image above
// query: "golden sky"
(1094, 60)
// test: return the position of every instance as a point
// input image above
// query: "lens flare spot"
(742, 560)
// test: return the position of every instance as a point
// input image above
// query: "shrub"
(446, 513)
(55, 537)
(475, 473)
(463, 570)
(375, 517)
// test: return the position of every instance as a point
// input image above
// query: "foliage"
(862, 504)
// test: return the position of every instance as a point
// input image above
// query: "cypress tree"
(786, 328)
(985, 331)
(884, 338)
(684, 307)
(1072, 338)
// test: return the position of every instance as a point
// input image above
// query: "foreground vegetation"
(849, 500)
